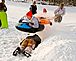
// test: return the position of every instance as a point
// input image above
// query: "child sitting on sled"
(29, 18)
(27, 45)
(32, 22)
(43, 17)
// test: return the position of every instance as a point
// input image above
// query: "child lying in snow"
(27, 45)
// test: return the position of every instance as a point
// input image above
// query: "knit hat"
(44, 10)
(29, 14)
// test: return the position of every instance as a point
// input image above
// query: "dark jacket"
(33, 9)
(36, 38)
(3, 7)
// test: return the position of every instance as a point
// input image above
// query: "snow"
(58, 40)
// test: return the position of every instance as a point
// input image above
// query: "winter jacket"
(36, 38)
(3, 7)
(33, 9)
(33, 20)
(59, 11)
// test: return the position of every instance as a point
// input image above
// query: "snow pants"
(3, 19)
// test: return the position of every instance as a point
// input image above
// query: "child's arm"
(56, 11)
(33, 46)
(5, 8)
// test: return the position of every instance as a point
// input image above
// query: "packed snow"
(58, 40)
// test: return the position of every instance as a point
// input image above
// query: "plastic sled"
(26, 28)
(45, 21)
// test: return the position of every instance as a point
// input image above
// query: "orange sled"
(45, 21)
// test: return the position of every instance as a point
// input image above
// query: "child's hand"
(31, 24)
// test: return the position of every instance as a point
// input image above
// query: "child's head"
(61, 5)
(44, 10)
(2, 1)
(34, 2)
(29, 15)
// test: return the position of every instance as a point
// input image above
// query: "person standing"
(3, 15)
(33, 8)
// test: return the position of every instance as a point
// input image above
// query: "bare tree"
(49, 1)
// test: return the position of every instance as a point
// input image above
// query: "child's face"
(61, 6)
(44, 12)
(29, 17)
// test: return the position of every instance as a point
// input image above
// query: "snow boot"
(17, 51)
(51, 23)
(26, 54)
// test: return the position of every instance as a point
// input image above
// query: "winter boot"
(51, 23)
(17, 51)
(26, 54)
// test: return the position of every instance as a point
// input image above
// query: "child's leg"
(23, 44)
(27, 51)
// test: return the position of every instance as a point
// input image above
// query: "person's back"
(33, 8)
(36, 38)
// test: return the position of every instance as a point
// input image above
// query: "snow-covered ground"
(58, 40)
